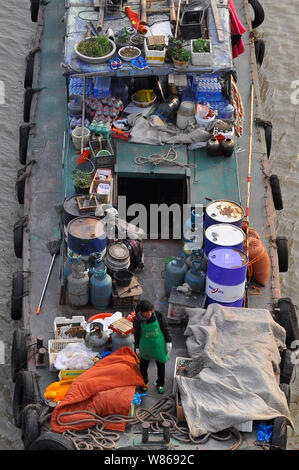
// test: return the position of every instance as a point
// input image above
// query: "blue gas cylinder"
(118, 341)
(119, 89)
(175, 273)
(196, 277)
(100, 287)
(72, 258)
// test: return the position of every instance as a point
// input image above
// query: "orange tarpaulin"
(107, 388)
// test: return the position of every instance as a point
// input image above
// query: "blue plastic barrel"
(227, 212)
(226, 235)
(226, 276)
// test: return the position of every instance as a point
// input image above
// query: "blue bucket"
(226, 276)
(86, 236)
(227, 212)
(226, 235)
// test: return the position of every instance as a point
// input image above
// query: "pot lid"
(86, 228)
(119, 251)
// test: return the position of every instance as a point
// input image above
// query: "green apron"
(152, 342)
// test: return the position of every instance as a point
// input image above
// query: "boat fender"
(285, 388)
(52, 441)
(267, 125)
(286, 366)
(278, 439)
(260, 48)
(276, 192)
(285, 314)
(30, 68)
(24, 394)
(27, 102)
(24, 132)
(34, 7)
(18, 232)
(18, 353)
(30, 426)
(21, 179)
(17, 294)
(259, 13)
(283, 254)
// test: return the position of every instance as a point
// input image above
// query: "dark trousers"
(144, 363)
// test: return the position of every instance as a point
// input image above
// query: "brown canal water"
(278, 74)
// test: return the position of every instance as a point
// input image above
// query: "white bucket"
(77, 137)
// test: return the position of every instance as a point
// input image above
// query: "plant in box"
(155, 49)
(201, 52)
(82, 181)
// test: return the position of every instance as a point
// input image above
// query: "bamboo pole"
(83, 115)
(177, 19)
(249, 167)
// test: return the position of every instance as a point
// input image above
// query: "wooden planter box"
(103, 198)
(91, 204)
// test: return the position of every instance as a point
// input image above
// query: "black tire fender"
(29, 92)
(276, 192)
(52, 441)
(260, 48)
(34, 7)
(259, 13)
(23, 142)
(279, 434)
(30, 426)
(285, 314)
(24, 394)
(20, 185)
(30, 68)
(283, 254)
(17, 293)
(18, 353)
(18, 232)
(286, 367)
(268, 138)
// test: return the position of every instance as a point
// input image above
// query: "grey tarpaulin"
(152, 130)
(237, 353)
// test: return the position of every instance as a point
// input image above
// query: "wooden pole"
(177, 19)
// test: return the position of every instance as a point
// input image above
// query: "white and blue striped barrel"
(226, 276)
(227, 212)
(226, 235)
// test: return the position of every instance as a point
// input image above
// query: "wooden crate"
(92, 203)
(103, 198)
(122, 326)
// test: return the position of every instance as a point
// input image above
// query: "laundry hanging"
(237, 29)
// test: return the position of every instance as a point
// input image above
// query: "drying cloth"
(236, 353)
(237, 29)
(107, 388)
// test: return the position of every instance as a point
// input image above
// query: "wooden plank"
(217, 21)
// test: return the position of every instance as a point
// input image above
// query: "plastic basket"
(112, 10)
(57, 345)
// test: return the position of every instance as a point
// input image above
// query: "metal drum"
(117, 258)
(227, 212)
(86, 236)
(226, 276)
(226, 235)
(70, 212)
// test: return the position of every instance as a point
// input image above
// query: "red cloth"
(237, 28)
(107, 388)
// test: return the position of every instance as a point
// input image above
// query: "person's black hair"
(144, 306)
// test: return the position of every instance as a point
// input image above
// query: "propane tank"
(175, 273)
(118, 341)
(197, 255)
(78, 286)
(195, 277)
(100, 287)
(72, 258)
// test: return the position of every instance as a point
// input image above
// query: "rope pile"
(100, 438)
(157, 159)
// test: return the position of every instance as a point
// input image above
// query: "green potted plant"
(81, 181)
(122, 38)
(173, 44)
(201, 52)
(181, 57)
(95, 50)
(155, 49)
(137, 40)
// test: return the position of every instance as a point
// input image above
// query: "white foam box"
(56, 345)
(176, 366)
(76, 320)
(245, 427)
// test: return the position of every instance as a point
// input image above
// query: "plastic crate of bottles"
(76, 86)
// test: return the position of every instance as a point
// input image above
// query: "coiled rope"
(156, 159)
(100, 438)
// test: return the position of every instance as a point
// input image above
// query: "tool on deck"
(217, 20)
(99, 5)
(53, 247)
(151, 11)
